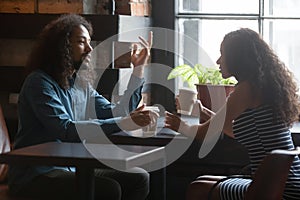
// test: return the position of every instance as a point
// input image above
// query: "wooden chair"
(5, 146)
(270, 178)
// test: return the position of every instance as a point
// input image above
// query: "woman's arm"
(238, 101)
(205, 113)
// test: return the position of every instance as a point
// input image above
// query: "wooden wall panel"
(17, 6)
(60, 6)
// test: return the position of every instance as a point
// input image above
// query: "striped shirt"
(257, 130)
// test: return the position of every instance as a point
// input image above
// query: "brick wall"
(133, 7)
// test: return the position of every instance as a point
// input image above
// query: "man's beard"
(83, 64)
(77, 65)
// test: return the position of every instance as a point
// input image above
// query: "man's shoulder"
(37, 74)
(39, 78)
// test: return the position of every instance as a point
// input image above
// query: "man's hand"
(138, 119)
(140, 58)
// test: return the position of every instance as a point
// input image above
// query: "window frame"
(260, 17)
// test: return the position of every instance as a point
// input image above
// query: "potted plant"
(208, 81)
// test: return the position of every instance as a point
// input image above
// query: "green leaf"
(179, 71)
(200, 74)
(192, 80)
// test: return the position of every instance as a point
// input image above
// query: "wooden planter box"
(213, 96)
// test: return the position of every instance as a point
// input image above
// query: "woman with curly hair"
(258, 114)
(52, 106)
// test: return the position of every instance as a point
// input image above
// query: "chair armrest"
(270, 178)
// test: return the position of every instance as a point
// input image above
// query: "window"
(207, 21)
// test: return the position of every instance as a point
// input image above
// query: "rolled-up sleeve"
(128, 102)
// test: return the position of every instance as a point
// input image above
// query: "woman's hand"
(172, 121)
(138, 119)
(175, 123)
(205, 113)
(140, 58)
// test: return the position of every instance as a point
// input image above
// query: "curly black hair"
(249, 58)
(52, 52)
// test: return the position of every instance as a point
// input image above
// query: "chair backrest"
(270, 178)
(4, 144)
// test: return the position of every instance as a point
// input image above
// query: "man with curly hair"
(258, 114)
(53, 103)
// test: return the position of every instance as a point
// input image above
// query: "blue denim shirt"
(48, 112)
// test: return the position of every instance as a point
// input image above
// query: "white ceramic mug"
(186, 100)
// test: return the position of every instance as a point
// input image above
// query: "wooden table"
(162, 138)
(77, 155)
